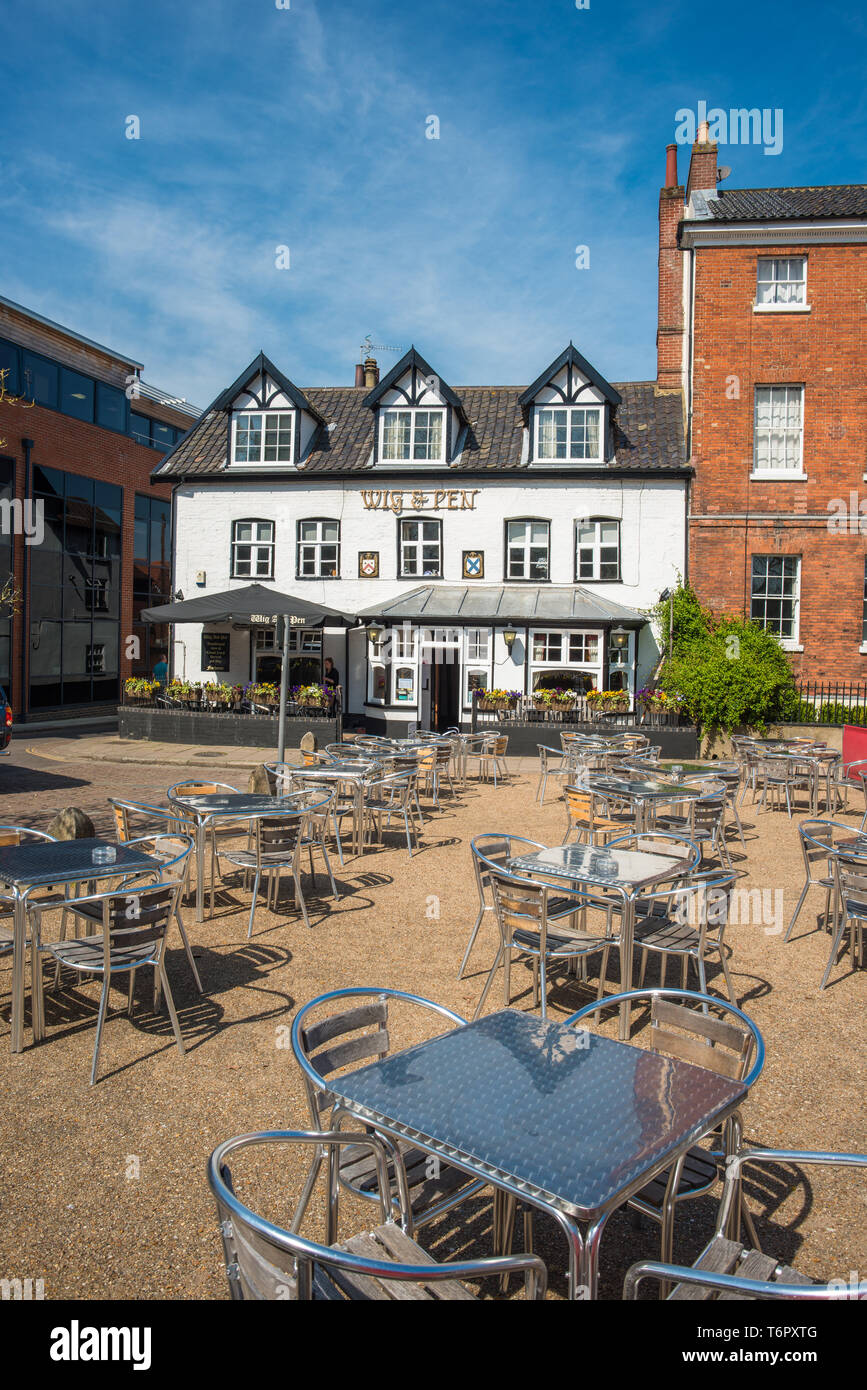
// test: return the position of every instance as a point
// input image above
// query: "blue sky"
(306, 128)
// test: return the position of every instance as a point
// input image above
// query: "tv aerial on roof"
(367, 347)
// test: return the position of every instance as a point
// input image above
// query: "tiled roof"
(648, 432)
(503, 603)
(783, 204)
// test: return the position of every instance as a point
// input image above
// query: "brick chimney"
(702, 162)
(371, 373)
(670, 317)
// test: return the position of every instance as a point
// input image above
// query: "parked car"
(6, 725)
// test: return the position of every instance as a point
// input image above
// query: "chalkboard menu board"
(215, 651)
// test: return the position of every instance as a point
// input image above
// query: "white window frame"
(418, 544)
(764, 472)
(285, 452)
(563, 661)
(524, 547)
(791, 643)
(780, 305)
(255, 545)
(307, 549)
(596, 547)
(376, 662)
(477, 645)
(569, 456)
(417, 433)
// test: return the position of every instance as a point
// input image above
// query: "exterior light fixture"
(619, 638)
(510, 636)
(374, 633)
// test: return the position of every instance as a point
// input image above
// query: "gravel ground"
(105, 1194)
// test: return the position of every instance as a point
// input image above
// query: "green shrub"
(727, 671)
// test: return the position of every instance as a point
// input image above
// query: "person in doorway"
(161, 669)
(330, 677)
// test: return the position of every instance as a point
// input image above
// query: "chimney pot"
(703, 136)
(371, 372)
(359, 373)
(671, 166)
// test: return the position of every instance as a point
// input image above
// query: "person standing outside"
(161, 669)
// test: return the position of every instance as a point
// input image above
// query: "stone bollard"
(72, 824)
(259, 785)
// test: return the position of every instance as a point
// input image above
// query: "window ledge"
(789, 646)
(863, 649)
(782, 308)
(779, 475)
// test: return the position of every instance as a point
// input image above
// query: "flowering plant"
(140, 685)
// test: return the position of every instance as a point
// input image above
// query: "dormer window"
(572, 433)
(412, 434)
(263, 436)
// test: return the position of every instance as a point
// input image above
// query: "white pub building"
(471, 537)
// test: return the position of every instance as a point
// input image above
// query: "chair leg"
(170, 1005)
(325, 856)
(103, 1005)
(253, 903)
(473, 934)
(797, 911)
(296, 878)
(839, 929)
(489, 981)
(189, 952)
(130, 994)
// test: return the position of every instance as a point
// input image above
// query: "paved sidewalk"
(108, 748)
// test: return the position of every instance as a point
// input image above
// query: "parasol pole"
(284, 686)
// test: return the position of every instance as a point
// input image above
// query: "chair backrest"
(579, 806)
(171, 850)
(819, 839)
(661, 842)
(136, 918)
(693, 1031)
(520, 904)
(706, 1041)
(182, 789)
(280, 835)
(851, 875)
(493, 850)
(17, 834)
(501, 743)
(359, 1033)
(156, 818)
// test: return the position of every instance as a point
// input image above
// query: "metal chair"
(704, 819)
(731, 1046)
(546, 757)
(585, 819)
(525, 909)
(725, 1268)
(264, 1261)
(16, 835)
(321, 802)
(781, 774)
(850, 876)
(819, 841)
(394, 795)
(226, 831)
(687, 921)
(277, 846)
(174, 852)
(847, 777)
(491, 850)
(363, 1032)
(134, 924)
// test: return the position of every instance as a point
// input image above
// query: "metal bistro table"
(645, 795)
(207, 809)
(41, 864)
(566, 1120)
(626, 871)
(345, 774)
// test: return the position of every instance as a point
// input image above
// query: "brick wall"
(825, 350)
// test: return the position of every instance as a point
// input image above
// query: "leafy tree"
(724, 670)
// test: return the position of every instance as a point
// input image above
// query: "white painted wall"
(652, 544)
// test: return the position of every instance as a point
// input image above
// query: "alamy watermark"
(25, 518)
(738, 126)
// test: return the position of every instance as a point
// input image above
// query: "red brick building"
(84, 533)
(763, 325)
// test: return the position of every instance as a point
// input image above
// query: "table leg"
(19, 949)
(200, 870)
(627, 933)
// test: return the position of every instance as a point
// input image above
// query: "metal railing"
(199, 701)
(830, 702)
(527, 709)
